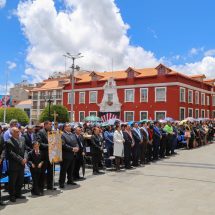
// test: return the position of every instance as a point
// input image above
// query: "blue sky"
(179, 32)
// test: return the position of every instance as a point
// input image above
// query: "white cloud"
(94, 28)
(196, 51)
(2, 3)
(205, 66)
(210, 52)
(11, 65)
(3, 88)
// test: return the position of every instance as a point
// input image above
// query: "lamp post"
(73, 67)
(49, 100)
(5, 102)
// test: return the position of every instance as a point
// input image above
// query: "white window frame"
(197, 101)
(182, 88)
(156, 94)
(208, 100)
(159, 111)
(147, 113)
(202, 94)
(201, 113)
(188, 112)
(128, 112)
(195, 113)
(180, 113)
(125, 94)
(147, 89)
(190, 91)
(80, 97)
(68, 96)
(79, 115)
(96, 97)
(93, 112)
(208, 113)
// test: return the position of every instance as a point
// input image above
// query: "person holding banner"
(69, 149)
(42, 138)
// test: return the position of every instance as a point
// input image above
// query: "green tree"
(14, 113)
(61, 111)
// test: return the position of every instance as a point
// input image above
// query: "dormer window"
(131, 73)
(163, 70)
(95, 76)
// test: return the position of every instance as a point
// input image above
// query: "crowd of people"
(122, 145)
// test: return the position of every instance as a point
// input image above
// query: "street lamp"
(5, 100)
(73, 67)
(49, 99)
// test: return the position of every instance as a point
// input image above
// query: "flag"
(55, 146)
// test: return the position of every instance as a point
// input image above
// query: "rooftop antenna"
(65, 56)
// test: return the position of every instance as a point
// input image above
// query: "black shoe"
(100, 173)
(95, 173)
(61, 185)
(21, 197)
(2, 203)
(51, 188)
(71, 183)
(12, 199)
(80, 178)
(41, 193)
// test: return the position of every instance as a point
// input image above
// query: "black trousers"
(127, 155)
(47, 174)
(149, 153)
(16, 180)
(156, 145)
(96, 160)
(162, 147)
(169, 143)
(77, 166)
(66, 167)
(143, 150)
(135, 154)
(1, 165)
(36, 179)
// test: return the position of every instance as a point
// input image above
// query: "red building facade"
(136, 94)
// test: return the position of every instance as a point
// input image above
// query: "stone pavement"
(181, 185)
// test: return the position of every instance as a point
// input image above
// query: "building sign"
(5, 100)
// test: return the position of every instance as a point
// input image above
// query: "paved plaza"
(183, 185)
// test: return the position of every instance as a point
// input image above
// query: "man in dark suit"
(156, 140)
(17, 157)
(2, 154)
(28, 135)
(143, 146)
(128, 144)
(42, 138)
(138, 140)
(80, 154)
(69, 149)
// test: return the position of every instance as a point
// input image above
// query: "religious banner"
(55, 146)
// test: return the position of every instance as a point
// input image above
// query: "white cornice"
(148, 85)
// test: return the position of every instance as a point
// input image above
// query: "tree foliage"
(14, 113)
(61, 111)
